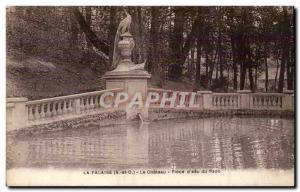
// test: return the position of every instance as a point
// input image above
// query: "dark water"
(225, 143)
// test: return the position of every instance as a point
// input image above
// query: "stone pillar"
(17, 114)
(244, 99)
(206, 99)
(288, 100)
(131, 82)
(128, 76)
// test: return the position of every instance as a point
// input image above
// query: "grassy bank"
(37, 78)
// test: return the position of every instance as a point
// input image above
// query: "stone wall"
(102, 119)
(160, 114)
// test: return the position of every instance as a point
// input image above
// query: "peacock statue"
(124, 27)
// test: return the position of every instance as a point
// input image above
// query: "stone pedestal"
(17, 114)
(133, 79)
(245, 99)
(288, 100)
(131, 82)
(207, 99)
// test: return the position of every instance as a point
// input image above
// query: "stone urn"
(125, 47)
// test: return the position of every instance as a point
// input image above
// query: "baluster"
(42, 114)
(54, 110)
(92, 103)
(277, 101)
(259, 103)
(214, 101)
(30, 113)
(82, 104)
(59, 111)
(267, 101)
(48, 113)
(65, 110)
(70, 107)
(229, 98)
(37, 113)
(100, 107)
(86, 103)
(233, 101)
(97, 102)
(271, 101)
(280, 101)
(221, 101)
(89, 106)
(253, 101)
(274, 101)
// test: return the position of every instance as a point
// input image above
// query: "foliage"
(216, 47)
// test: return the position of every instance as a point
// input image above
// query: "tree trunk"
(234, 62)
(141, 34)
(220, 51)
(289, 75)
(74, 31)
(179, 50)
(285, 49)
(154, 64)
(256, 76)
(277, 69)
(198, 64)
(251, 78)
(175, 69)
(112, 32)
(98, 43)
(266, 68)
(88, 19)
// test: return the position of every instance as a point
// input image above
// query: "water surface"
(223, 143)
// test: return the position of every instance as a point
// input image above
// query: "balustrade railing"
(226, 100)
(21, 112)
(66, 106)
(178, 98)
(266, 101)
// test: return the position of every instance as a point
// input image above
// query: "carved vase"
(126, 46)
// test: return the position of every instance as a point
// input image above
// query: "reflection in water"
(225, 143)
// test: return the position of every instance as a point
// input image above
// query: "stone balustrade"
(22, 113)
(182, 99)
(266, 101)
(243, 99)
(226, 101)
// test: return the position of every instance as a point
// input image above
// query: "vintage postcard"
(150, 96)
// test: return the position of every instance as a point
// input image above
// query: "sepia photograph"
(150, 96)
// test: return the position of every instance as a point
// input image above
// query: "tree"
(99, 43)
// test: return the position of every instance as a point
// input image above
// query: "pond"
(223, 143)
